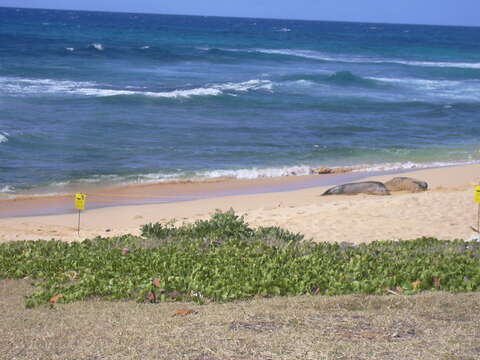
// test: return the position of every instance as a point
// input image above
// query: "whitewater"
(110, 99)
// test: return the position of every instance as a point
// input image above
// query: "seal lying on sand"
(406, 184)
(366, 187)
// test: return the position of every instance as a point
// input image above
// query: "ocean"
(117, 98)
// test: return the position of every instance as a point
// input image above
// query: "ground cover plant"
(223, 259)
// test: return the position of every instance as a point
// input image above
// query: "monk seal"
(406, 184)
(366, 187)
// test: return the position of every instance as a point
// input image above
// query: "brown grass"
(427, 326)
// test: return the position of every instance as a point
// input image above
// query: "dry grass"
(426, 326)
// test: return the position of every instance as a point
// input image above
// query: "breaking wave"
(311, 54)
(256, 173)
(7, 189)
(467, 90)
(3, 137)
(212, 90)
(97, 46)
(168, 94)
(19, 86)
(322, 56)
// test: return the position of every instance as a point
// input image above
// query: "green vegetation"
(223, 259)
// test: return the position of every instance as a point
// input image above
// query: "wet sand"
(143, 194)
(446, 210)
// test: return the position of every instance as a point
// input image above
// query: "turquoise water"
(90, 97)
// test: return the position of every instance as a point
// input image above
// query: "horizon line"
(239, 17)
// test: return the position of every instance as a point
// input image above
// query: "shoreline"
(23, 205)
(171, 192)
(446, 210)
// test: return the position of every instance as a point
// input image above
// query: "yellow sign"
(477, 194)
(80, 200)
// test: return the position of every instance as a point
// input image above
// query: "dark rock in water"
(366, 187)
(406, 184)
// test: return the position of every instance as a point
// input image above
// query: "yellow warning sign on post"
(80, 200)
(477, 194)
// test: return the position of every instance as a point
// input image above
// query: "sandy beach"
(446, 210)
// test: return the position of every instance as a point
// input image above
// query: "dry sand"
(446, 211)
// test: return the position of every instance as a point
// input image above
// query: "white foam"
(309, 54)
(19, 86)
(284, 30)
(463, 65)
(27, 81)
(409, 165)
(8, 189)
(317, 55)
(466, 90)
(169, 94)
(255, 84)
(303, 82)
(3, 137)
(70, 49)
(163, 177)
(245, 173)
(145, 47)
(100, 92)
(97, 46)
(429, 84)
(213, 90)
(186, 93)
(255, 173)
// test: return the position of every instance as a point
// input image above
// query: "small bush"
(221, 227)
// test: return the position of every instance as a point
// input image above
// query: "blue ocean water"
(91, 97)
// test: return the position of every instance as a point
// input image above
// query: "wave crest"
(3, 137)
(97, 46)
(213, 90)
(7, 189)
(255, 173)
(348, 78)
(322, 56)
(169, 94)
(19, 86)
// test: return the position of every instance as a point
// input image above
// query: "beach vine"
(224, 259)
